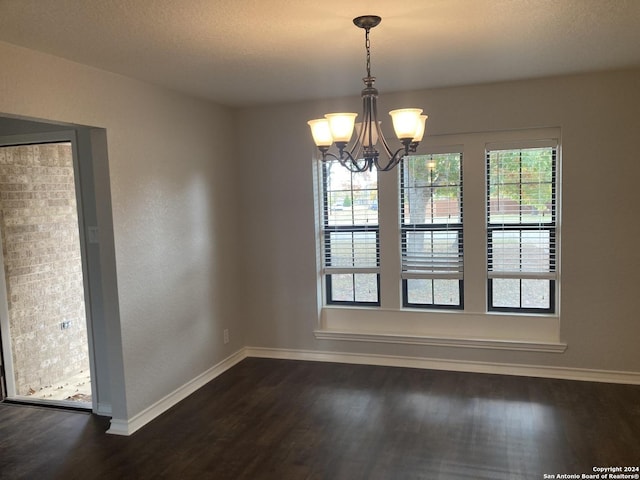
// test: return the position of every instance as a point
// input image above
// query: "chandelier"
(362, 155)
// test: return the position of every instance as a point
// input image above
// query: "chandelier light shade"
(369, 149)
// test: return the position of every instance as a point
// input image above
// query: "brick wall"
(41, 248)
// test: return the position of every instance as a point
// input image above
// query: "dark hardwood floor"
(279, 419)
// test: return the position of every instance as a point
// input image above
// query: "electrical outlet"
(225, 335)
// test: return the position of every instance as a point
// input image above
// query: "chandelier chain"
(367, 44)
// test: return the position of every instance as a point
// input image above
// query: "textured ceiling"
(245, 52)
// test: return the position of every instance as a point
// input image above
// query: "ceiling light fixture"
(408, 123)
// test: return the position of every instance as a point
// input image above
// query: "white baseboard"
(565, 373)
(128, 427)
(119, 427)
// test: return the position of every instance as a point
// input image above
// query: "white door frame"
(35, 139)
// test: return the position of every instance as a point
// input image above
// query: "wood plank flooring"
(281, 420)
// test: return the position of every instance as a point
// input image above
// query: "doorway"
(43, 313)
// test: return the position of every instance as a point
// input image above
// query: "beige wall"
(174, 217)
(598, 117)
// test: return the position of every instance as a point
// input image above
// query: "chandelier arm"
(357, 149)
(346, 160)
(395, 159)
(385, 145)
(359, 169)
(358, 145)
(328, 156)
(398, 156)
(351, 163)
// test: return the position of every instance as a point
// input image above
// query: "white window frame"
(356, 228)
(550, 274)
(428, 267)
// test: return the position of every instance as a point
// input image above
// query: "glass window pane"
(535, 293)
(432, 189)
(339, 214)
(366, 287)
(342, 287)
(435, 292)
(419, 291)
(506, 292)
(538, 199)
(521, 186)
(537, 164)
(351, 198)
(446, 205)
(446, 292)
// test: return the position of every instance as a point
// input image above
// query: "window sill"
(532, 333)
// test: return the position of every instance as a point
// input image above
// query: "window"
(521, 229)
(465, 229)
(350, 234)
(431, 231)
